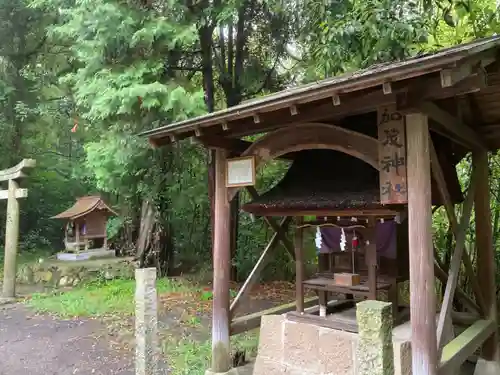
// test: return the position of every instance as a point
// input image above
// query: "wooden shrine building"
(86, 224)
(378, 146)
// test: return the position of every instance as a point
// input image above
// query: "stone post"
(147, 348)
(375, 351)
(11, 242)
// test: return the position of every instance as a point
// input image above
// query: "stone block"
(291, 370)
(374, 354)
(402, 357)
(266, 366)
(147, 347)
(301, 342)
(484, 367)
(337, 350)
(271, 337)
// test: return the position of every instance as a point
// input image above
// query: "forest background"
(79, 79)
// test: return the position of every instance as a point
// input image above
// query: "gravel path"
(42, 345)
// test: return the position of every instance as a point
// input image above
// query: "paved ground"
(42, 345)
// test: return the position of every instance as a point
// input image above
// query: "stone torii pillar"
(12, 175)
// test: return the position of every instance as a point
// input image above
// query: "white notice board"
(240, 171)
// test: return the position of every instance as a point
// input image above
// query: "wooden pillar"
(299, 266)
(11, 242)
(77, 236)
(485, 252)
(422, 292)
(222, 268)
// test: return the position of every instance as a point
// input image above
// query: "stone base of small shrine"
(86, 255)
(245, 370)
(57, 273)
(287, 347)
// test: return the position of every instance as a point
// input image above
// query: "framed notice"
(240, 171)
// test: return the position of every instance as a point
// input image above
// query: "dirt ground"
(42, 345)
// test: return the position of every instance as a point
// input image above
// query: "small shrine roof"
(83, 206)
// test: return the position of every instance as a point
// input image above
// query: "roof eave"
(324, 89)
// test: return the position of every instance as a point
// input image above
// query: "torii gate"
(12, 175)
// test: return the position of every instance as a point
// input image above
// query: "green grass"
(189, 357)
(99, 298)
(185, 355)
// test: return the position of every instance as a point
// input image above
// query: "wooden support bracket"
(259, 266)
(463, 346)
(458, 131)
(460, 234)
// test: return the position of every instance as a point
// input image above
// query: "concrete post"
(147, 346)
(375, 349)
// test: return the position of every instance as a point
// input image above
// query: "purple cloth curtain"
(385, 237)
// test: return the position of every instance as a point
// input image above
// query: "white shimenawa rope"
(319, 241)
(343, 240)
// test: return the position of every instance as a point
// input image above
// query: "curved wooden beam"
(310, 136)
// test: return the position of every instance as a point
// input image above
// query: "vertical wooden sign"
(392, 156)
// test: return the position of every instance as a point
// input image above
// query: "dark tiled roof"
(320, 180)
(323, 179)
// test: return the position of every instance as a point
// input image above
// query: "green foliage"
(98, 298)
(191, 357)
(347, 35)
(117, 68)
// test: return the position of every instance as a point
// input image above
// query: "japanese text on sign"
(392, 156)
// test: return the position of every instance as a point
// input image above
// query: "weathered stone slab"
(271, 337)
(266, 366)
(147, 349)
(402, 357)
(301, 343)
(337, 350)
(375, 347)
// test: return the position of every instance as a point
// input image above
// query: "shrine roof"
(255, 116)
(321, 181)
(84, 206)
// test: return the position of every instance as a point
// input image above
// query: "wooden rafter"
(347, 104)
(234, 145)
(455, 74)
(259, 266)
(457, 130)
(460, 234)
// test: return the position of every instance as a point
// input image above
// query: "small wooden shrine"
(86, 224)
(362, 244)
(373, 153)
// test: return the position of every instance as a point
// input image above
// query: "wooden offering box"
(347, 279)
